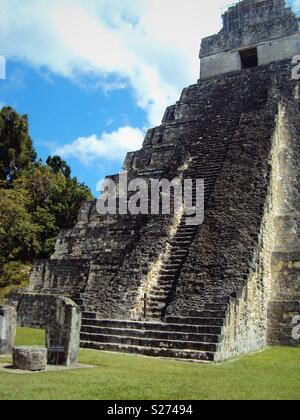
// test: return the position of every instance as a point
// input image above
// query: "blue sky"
(93, 75)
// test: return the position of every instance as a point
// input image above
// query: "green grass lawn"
(273, 374)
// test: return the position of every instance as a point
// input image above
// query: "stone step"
(178, 251)
(155, 310)
(161, 289)
(155, 306)
(184, 234)
(155, 334)
(157, 300)
(89, 315)
(207, 314)
(180, 244)
(168, 271)
(163, 286)
(185, 228)
(176, 259)
(149, 326)
(184, 239)
(166, 280)
(196, 321)
(149, 342)
(172, 265)
(158, 294)
(216, 307)
(177, 248)
(155, 317)
(148, 351)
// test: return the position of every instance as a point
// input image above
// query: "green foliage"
(58, 165)
(18, 233)
(13, 275)
(41, 200)
(15, 143)
(54, 202)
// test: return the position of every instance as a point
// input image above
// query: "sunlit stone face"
(2, 328)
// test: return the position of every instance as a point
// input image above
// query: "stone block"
(32, 359)
(64, 333)
(8, 322)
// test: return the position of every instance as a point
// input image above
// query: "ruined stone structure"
(254, 33)
(231, 285)
(61, 319)
(8, 324)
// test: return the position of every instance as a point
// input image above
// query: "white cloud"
(152, 45)
(149, 45)
(109, 146)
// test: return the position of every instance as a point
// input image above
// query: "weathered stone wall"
(243, 28)
(221, 255)
(267, 24)
(285, 305)
(230, 61)
(268, 309)
(60, 317)
(220, 63)
(60, 276)
(246, 323)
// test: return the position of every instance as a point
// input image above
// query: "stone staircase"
(199, 168)
(161, 293)
(194, 337)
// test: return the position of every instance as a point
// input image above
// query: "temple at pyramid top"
(255, 33)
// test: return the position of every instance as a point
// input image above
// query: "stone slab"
(8, 322)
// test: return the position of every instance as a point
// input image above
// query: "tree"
(54, 202)
(15, 143)
(59, 166)
(41, 200)
(18, 233)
